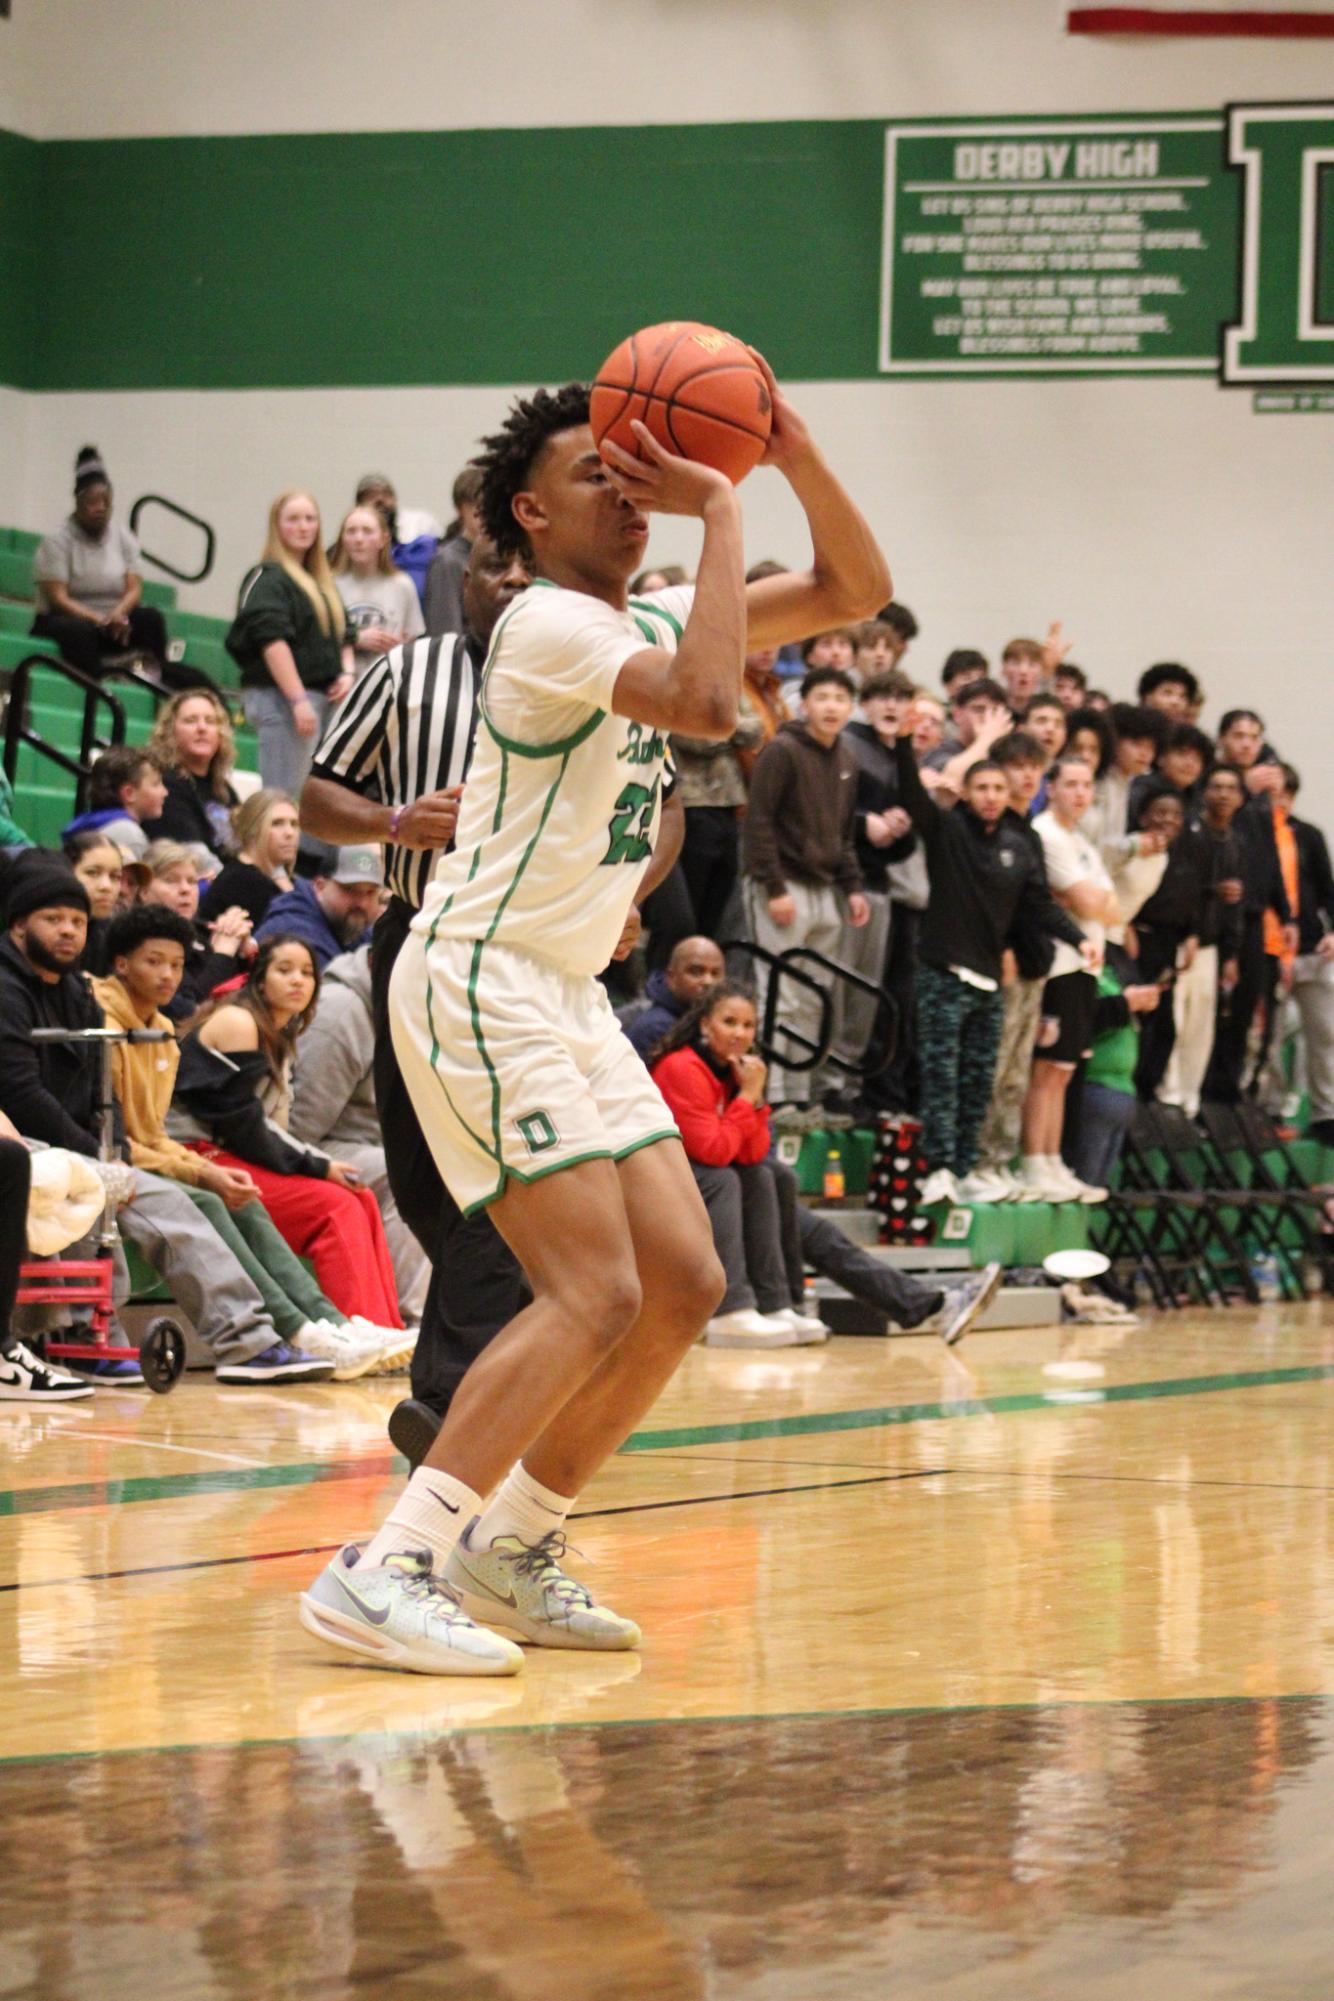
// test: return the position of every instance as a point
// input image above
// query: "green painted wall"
(445, 257)
(21, 296)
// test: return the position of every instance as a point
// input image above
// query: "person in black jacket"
(1165, 931)
(52, 1092)
(884, 835)
(1313, 967)
(195, 749)
(1025, 965)
(290, 641)
(1202, 991)
(234, 1094)
(1262, 891)
(984, 872)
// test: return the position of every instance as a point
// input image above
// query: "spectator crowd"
(1050, 902)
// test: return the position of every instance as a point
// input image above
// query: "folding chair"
(1288, 1211)
(1197, 1222)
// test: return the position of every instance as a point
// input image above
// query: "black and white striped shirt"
(404, 730)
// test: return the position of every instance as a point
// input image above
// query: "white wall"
(141, 67)
(1159, 520)
(15, 418)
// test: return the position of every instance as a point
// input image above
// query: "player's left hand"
(634, 924)
(789, 440)
(859, 910)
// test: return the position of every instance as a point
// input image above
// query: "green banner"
(1069, 246)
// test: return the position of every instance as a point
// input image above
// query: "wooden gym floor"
(963, 1677)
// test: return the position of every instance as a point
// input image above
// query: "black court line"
(588, 1515)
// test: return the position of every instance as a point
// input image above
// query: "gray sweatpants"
(186, 1252)
(862, 950)
(747, 1224)
(819, 923)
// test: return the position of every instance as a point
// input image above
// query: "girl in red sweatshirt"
(713, 1083)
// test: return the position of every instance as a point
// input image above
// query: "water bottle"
(1264, 1270)
(835, 1185)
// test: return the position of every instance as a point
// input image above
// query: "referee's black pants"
(476, 1282)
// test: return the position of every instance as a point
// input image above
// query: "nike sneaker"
(400, 1616)
(25, 1378)
(520, 1589)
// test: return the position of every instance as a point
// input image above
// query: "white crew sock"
(521, 1506)
(431, 1513)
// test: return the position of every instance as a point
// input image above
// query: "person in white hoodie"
(333, 1103)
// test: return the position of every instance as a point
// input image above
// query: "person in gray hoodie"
(333, 1103)
(803, 878)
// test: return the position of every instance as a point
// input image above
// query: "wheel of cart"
(88, 1282)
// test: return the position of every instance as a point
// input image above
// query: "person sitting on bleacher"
(102, 869)
(267, 834)
(222, 948)
(146, 951)
(89, 582)
(193, 743)
(125, 791)
(52, 1092)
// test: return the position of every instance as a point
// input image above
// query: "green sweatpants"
(277, 1273)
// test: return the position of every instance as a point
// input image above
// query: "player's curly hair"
(506, 460)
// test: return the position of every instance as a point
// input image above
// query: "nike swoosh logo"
(11, 1377)
(376, 1618)
(501, 1598)
(443, 1502)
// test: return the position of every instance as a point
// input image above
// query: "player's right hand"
(662, 482)
(430, 822)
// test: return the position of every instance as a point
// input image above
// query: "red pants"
(338, 1229)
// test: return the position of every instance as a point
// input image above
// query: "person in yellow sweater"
(146, 952)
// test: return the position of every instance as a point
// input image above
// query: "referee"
(389, 768)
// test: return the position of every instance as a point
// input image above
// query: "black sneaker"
(278, 1364)
(968, 1300)
(25, 1378)
(413, 1429)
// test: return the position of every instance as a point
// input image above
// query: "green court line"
(228, 1480)
(557, 1729)
(920, 1413)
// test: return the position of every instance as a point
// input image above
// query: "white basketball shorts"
(515, 1068)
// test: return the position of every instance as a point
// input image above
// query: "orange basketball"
(697, 390)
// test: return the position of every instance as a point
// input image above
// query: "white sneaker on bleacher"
(939, 1187)
(984, 1186)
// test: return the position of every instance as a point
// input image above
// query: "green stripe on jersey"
(656, 611)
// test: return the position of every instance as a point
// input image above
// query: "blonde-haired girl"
(289, 639)
(380, 600)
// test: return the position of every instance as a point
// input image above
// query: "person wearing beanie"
(52, 1091)
(89, 581)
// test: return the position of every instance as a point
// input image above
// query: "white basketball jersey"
(563, 799)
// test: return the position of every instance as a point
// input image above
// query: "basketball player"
(535, 1106)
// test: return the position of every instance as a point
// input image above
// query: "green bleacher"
(43, 794)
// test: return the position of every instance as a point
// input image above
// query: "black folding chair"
(1198, 1224)
(1289, 1213)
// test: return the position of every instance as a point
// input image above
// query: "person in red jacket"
(713, 1082)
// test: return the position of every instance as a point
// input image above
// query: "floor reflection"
(1027, 1851)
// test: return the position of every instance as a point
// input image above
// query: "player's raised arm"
(848, 578)
(697, 689)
